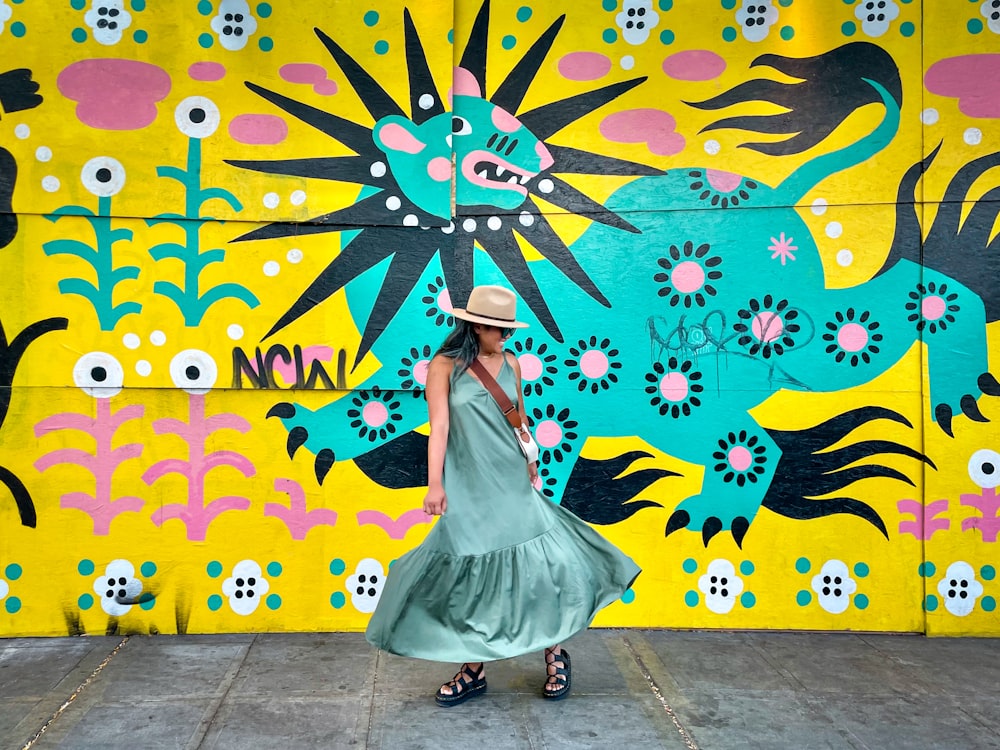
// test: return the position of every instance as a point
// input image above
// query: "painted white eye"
(103, 176)
(197, 117)
(460, 126)
(194, 371)
(984, 468)
(99, 374)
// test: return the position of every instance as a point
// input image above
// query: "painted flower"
(99, 374)
(197, 117)
(719, 188)
(687, 275)
(537, 365)
(833, 586)
(984, 466)
(546, 482)
(959, 589)
(674, 388)
(245, 587)
(592, 363)
(4, 589)
(107, 19)
(721, 586)
(741, 458)
(374, 414)
(554, 433)
(234, 24)
(365, 584)
(850, 340)
(636, 19)
(103, 176)
(756, 19)
(931, 307)
(767, 328)
(5, 13)
(990, 10)
(782, 248)
(876, 15)
(118, 589)
(438, 302)
(413, 369)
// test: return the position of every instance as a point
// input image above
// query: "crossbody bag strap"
(509, 410)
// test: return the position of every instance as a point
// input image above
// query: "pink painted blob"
(767, 326)
(852, 337)
(594, 363)
(967, 78)
(420, 371)
(444, 301)
(258, 130)
(674, 386)
(694, 65)
(309, 73)
(531, 367)
(548, 433)
(207, 71)
(932, 308)
(504, 120)
(724, 182)
(653, 127)
(439, 169)
(375, 414)
(739, 458)
(688, 277)
(114, 94)
(584, 66)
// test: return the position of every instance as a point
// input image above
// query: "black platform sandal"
(562, 677)
(466, 684)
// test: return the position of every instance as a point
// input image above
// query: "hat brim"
(458, 312)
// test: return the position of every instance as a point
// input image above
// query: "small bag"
(525, 441)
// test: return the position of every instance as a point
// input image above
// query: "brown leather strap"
(509, 410)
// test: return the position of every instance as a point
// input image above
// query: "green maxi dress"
(504, 571)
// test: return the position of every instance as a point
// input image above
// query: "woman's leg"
(467, 683)
(558, 672)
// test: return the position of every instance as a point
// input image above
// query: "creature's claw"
(988, 384)
(739, 527)
(284, 410)
(324, 462)
(943, 415)
(296, 438)
(971, 409)
(710, 528)
(678, 520)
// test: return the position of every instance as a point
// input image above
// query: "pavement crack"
(658, 694)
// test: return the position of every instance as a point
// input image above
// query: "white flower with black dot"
(234, 24)
(959, 589)
(108, 19)
(636, 19)
(876, 15)
(365, 584)
(118, 588)
(245, 587)
(197, 117)
(721, 586)
(833, 586)
(756, 19)
(5, 14)
(103, 176)
(990, 10)
(4, 589)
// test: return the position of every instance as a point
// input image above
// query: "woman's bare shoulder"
(441, 364)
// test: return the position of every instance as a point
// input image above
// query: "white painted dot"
(143, 368)
(271, 268)
(449, 229)
(43, 153)
(157, 338)
(410, 220)
(973, 136)
(131, 341)
(297, 198)
(294, 255)
(377, 169)
(834, 230)
(494, 223)
(545, 185)
(712, 147)
(469, 225)
(628, 62)
(426, 101)
(845, 257)
(424, 228)
(526, 219)
(22, 131)
(929, 116)
(271, 200)
(235, 331)
(50, 184)
(447, 139)
(819, 206)
(393, 203)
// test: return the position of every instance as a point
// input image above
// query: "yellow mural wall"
(232, 233)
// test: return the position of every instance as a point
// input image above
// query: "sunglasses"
(504, 332)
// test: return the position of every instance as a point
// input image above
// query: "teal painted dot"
(337, 566)
(205, 8)
(140, 36)
(85, 602)
(85, 567)
(147, 601)
(848, 28)
(13, 604)
(451, 36)
(206, 40)
(13, 572)
(139, 5)
(523, 13)
(907, 29)
(989, 603)
(273, 601)
(214, 602)
(988, 572)
(610, 36)
(747, 568)
(927, 569)
(266, 44)
(274, 568)
(930, 603)
(848, 2)
(787, 32)
(508, 42)
(148, 569)
(803, 598)
(381, 47)
(803, 565)
(748, 599)
(784, 3)
(18, 29)
(861, 570)
(861, 601)
(264, 10)
(667, 36)
(371, 18)
(214, 569)
(728, 4)
(610, 5)
(690, 565)
(79, 35)
(78, 4)
(666, 4)
(391, 563)
(628, 597)
(338, 600)
(691, 598)
(729, 34)
(975, 26)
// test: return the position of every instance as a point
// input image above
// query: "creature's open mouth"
(487, 170)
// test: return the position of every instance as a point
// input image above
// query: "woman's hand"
(435, 501)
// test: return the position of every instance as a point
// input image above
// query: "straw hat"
(492, 305)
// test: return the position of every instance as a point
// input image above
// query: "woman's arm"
(436, 390)
(512, 360)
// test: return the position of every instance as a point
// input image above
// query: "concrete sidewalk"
(631, 689)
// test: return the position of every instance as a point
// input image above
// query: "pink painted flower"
(782, 248)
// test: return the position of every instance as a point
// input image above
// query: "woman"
(504, 571)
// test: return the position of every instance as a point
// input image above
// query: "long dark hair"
(461, 345)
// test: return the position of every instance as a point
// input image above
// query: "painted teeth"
(482, 174)
(524, 180)
(500, 171)
(512, 180)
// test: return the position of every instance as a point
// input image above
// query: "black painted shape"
(474, 56)
(739, 527)
(568, 197)
(421, 80)
(679, 519)
(378, 103)
(297, 437)
(354, 169)
(710, 528)
(284, 410)
(325, 460)
(457, 266)
(943, 414)
(17, 91)
(988, 384)
(597, 492)
(832, 87)
(509, 258)
(399, 464)
(907, 238)
(22, 498)
(574, 161)
(971, 409)
(10, 356)
(8, 219)
(550, 118)
(511, 92)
